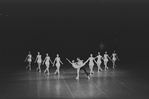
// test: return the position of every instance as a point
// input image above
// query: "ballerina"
(99, 57)
(106, 56)
(47, 63)
(39, 61)
(29, 59)
(114, 58)
(58, 61)
(91, 60)
(78, 65)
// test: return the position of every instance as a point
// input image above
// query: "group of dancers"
(79, 65)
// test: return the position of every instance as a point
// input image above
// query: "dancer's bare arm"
(68, 60)
(25, 59)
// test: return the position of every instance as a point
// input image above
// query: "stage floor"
(110, 84)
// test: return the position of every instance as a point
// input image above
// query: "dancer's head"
(105, 52)
(91, 55)
(29, 52)
(38, 53)
(78, 59)
(98, 53)
(72, 61)
(114, 51)
(57, 55)
(47, 54)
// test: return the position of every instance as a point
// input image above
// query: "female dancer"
(29, 59)
(106, 56)
(39, 61)
(58, 61)
(91, 63)
(99, 57)
(114, 58)
(47, 63)
(78, 65)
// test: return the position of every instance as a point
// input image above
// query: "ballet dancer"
(39, 61)
(78, 65)
(114, 58)
(29, 59)
(99, 57)
(58, 61)
(47, 63)
(91, 60)
(106, 57)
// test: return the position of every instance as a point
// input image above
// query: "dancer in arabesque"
(79, 65)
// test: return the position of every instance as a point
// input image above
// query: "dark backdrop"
(73, 28)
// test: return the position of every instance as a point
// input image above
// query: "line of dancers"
(79, 65)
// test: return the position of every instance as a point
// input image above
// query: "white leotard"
(29, 58)
(105, 57)
(99, 58)
(91, 61)
(39, 60)
(57, 61)
(114, 56)
(47, 60)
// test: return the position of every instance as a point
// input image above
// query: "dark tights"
(84, 70)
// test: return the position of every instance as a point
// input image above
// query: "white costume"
(47, 63)
(106, 60)
(39, 61)
(29, 59)
(58, 61)
(99, 57)
(78, 65)
(114, 58)
(91, 63)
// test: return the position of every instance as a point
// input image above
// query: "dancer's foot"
(88, 77)
(77, 78)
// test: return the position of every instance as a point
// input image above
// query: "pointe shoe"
(77, 78)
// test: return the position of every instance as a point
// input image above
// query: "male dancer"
(79, 65)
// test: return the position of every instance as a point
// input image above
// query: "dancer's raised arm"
(68, 60)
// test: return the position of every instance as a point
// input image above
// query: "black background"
(74, 28)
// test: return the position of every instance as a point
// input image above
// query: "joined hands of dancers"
(77, 65)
